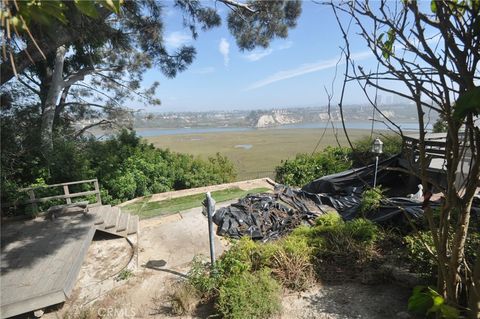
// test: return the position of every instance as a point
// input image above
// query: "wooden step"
(99, 212)
(122, 222)
(111, 218)
(132, 225)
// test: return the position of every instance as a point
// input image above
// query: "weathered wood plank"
(46, 199)
(56, 185)
(122, 222)
(132, 225)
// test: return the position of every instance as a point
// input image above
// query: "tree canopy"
(433, 52)
(85, 60)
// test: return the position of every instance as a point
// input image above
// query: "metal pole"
(376, 168)
(210, 211)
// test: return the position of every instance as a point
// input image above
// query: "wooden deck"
(41, 258)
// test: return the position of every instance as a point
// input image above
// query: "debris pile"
(268, 216)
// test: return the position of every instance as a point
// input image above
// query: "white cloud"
(305, 69)
(257, 55)
(285, 45)
(224, 48)
(177, 39)
(205, 70)
(260, 54)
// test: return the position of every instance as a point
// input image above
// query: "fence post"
(66, 191)
(97, 189)
(31, 195)
(210, 207)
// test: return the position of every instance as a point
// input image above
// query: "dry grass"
(183, 299)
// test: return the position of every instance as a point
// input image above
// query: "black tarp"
(266, 216)
(396, 183)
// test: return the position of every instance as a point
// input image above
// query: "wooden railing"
(67, 194)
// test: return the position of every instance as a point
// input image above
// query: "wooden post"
(66, 191)
(31, 194)
(97, 189)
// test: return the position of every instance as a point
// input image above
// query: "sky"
(292, 72)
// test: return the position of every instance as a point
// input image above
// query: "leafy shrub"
(249, 295)
(420, 259)
(305, 168)
(427, 302)
(362, 231)
(423, 263)
(201, 278)
(125, 165)
(362, 149)
(371, 199)
(340, 246)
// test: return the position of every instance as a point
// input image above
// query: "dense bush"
(340, 249)
(305, 168)
(125, 165)
(371, 199)
(128, 167)
(362, 154)
(249, 295)
(421, 260)
(245, 280)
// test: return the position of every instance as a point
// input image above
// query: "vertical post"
(210, 206)
(97, 189)
(66, 191)
(376, 168)
(31, 195)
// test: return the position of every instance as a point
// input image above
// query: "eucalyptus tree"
(433, 51)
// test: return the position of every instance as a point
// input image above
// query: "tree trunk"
(48, 115)
(474, 300)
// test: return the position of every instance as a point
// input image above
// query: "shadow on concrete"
(24, 243)
(158, 264)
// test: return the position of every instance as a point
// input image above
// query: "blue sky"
(292, 72)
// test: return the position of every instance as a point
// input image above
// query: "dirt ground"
(167, 246)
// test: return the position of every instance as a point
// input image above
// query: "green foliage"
(346, 245)
(263, 22)
(467, 103)
(362, 154)
(305, 168)
(249, 295)
(371, 199)
(125, 166)
(201, 279)
(427, 302)
(243, 281)
(440, 126)
(421, 260)
(124, 274)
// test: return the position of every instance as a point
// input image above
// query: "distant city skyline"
(292, 72)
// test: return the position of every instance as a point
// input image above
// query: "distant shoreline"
(152, 132)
